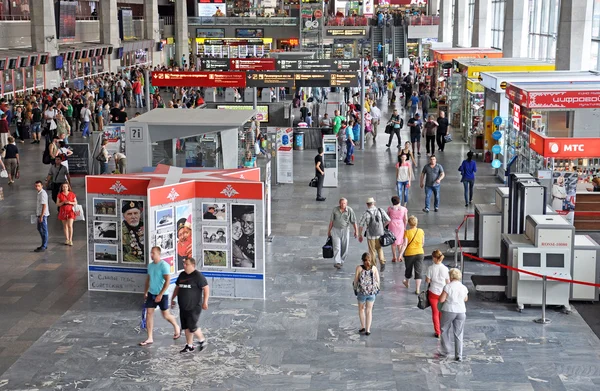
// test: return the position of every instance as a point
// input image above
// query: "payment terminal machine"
(330, 160)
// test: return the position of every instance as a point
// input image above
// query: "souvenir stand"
(550, 134)
(467, 93)
(496, 102)
(215, 216)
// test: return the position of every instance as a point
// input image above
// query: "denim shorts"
(364, 298)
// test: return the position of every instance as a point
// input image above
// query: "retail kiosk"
(214, 216)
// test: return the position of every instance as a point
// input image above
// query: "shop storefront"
(497, 104)
(466, 94)
(19, 74)
(233, 47)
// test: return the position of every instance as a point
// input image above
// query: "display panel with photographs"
(166, 241)
(214, 211)
(214, 258)
(185, 243)
(243, 244)
(105, 207)
(132, 231)
(105, 252)
(171, 261)
(105, 230)
(164, 218)
(214, 235)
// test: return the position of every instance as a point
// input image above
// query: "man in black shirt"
(416, 125)
(442, 131)
(193, 292)
(122, 116)
(114, 113)
(320, 173)
(36, 123)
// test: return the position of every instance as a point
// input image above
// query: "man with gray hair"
(373, 222)
(341, 219)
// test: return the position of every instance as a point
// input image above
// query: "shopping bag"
(423, 300)
(328, 248)
(448, 138)
(3, 174)
(79, 216)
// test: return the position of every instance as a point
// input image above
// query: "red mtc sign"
(199, 79)
(564, 147)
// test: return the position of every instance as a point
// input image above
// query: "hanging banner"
(285, 156)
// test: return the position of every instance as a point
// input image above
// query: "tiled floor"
(304, 336)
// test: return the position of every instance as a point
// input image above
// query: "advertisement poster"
(564, 190)
(285, 156)
(132, 231)
(79, 161)
(185, 242)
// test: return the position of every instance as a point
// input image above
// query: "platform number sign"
(136, 134)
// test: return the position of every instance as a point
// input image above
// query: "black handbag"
(387, 239)
(328, 248)
(314, 182)
(389, 128)
(424, 299)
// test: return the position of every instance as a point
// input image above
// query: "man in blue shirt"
(157, 283)
(414, 104)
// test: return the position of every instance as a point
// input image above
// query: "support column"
(43, 38)
(445, 28)
(516, 28)
(152, 27)
(460, 37)
(181, 33)
(573, 44)
(109, 30)
(432, 7)
(482, 26)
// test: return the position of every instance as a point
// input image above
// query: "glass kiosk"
(330, 160)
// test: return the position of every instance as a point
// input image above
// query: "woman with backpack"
(366, 288)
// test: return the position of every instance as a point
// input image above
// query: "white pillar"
(460, 37)
(108, 16)
(445, 28)
(152, 27)
(482, 26)
(181, 33)
(432, 7)
(43, 37)
(516, 28)
(574, 41)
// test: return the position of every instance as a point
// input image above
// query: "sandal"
(146, 343)
(405, 282)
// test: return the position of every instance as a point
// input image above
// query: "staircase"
(377, 38)
(399, 41)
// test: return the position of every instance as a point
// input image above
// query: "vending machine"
(330, 160)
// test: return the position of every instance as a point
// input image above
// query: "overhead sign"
(344, 79)
(270, 79)
(564, 147)
(214, 64)
(199, 79)
(312, 79)
(539, 99)
(318, 65)
(252, 64)
(346, 33)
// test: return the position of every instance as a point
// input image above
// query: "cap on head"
(131, 205)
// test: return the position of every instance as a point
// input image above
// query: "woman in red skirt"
(66, 200)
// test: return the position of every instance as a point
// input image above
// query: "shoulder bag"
(388, 237)
(424, 299)
(314, 182)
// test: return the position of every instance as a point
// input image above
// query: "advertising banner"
(564, 190)
(199, 79)
(564, 147)
(285, 155)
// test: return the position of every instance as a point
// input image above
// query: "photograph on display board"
(215, 235)
(105, 230)
(132, 231)
(214, 211)
(166, 241)
(185, 247)
(164, 218)
(105, 252)
(214, 258)
(243, 243)
(564, 189)
(171, 261)
(105, 207)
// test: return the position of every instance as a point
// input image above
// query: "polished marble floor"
(54, 335)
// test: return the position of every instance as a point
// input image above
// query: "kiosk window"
(532, 260)
(555, 260)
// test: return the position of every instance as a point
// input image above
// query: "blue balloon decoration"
(497, 135)
(496, 163)
(496, 149)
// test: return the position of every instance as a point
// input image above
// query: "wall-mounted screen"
(33, 60)
(120, 53)
(103, 52)
(23, 62)
(65, 13)
(532, 260)
(12, 63)
(209, 8)
(69, 56)
(126, 31)
(2, 64)
(43, 59)
(58, 62)
(555, 260)
(77, 55)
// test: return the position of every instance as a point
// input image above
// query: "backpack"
(375, 227)
(366, 283)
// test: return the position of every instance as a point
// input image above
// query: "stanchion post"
(462, 267)
(456, 247)
(543, 319)
(466, 223)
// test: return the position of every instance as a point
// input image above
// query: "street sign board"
(199, 79)
(214, 64)
(252, 64)
(312, 79)
(348, 79)
(270, 79)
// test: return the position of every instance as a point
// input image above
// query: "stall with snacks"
(215, 216)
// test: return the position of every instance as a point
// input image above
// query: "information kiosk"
(330, 158)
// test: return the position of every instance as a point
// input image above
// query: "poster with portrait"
(243, 241)
(185, 244)
(105, 230)
(214, 258)
(164, 218)
(132, 231)
(214, 235)
(564, 190)
(214, 211)
(166, 241)
(105, 207)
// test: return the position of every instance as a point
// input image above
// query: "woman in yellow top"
(413, 253)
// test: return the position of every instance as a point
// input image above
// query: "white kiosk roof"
(223, 118)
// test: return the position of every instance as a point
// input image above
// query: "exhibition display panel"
(214, 216)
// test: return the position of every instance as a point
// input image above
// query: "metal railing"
(424, 20)
(241, 20)
(14, 18)
(349, 21)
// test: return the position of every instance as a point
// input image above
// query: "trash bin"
(299, 141)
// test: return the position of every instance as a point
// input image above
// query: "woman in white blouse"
(454, 296)
(437, 278)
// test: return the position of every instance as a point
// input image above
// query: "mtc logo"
(554, 148)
